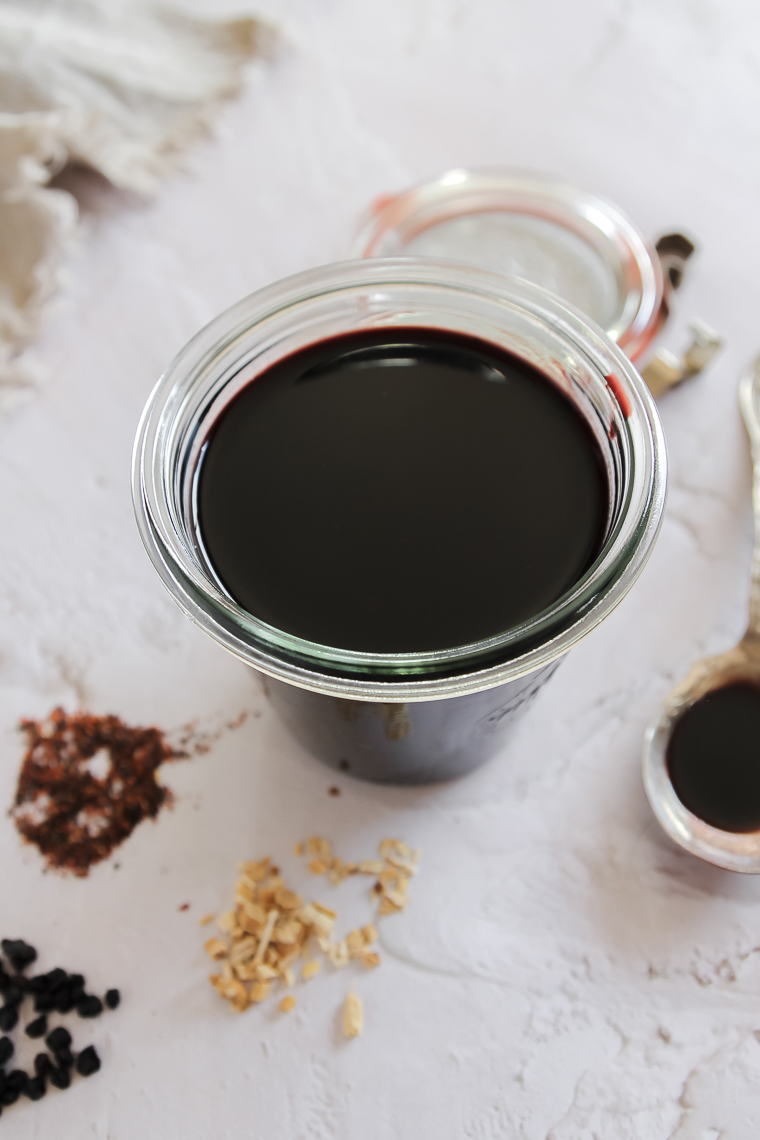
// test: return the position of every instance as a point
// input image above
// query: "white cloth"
(121, 85)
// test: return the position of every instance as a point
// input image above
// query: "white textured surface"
(123, 88)
(562, 971)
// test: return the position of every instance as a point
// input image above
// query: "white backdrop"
(562, 970)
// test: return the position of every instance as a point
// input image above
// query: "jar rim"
(162, 470)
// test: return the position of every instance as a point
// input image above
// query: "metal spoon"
(738, 851)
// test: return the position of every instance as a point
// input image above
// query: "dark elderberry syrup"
(713, 757)
(406, 490)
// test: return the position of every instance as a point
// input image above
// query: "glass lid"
(582, 248)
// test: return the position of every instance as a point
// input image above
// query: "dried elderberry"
(65, 1057)
(19, 953)
(64, 1001)
(54, 990)
(88, 1062)
(37, 1028)
(8, 1094)
(42, 1064)
(55, 978)
(14, 994)
(44, 1003)
(13, 1085)
(58, 1039)
(8, 1018)
(90, 1006)
(60, 1078)
(35, 1088)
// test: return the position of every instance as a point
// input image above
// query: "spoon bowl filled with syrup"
(701, 761)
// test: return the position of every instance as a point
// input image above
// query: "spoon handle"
(749, 401)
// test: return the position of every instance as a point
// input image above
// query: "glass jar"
(400, 718)
(575, 244)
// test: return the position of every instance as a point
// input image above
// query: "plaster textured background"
(563, 972)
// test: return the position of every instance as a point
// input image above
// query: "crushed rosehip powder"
(85, 784)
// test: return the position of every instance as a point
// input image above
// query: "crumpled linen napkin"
(122, 85)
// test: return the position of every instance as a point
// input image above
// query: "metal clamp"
(674, 250)
(666, 370)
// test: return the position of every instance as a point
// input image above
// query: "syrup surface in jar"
(406, 490)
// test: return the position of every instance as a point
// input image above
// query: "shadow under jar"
(400, 490)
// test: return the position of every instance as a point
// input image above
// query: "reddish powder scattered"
(75, 811)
